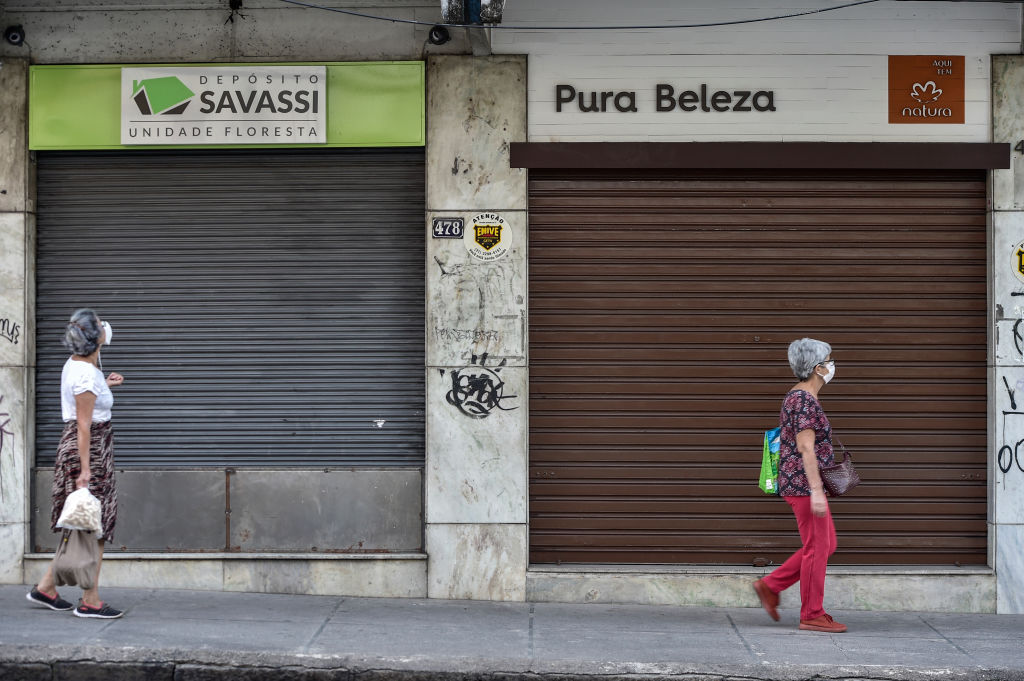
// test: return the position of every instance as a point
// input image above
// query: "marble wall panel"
(13, 322)
(12, 253)
(1009, 343)
(476, 106)
(1008, 289)
(923, 593)
(12, 549)
(362, 578)
(204, 575)
(1010, 569)
(477, 468)
(475, 307)
(477, 562)
(13, 506)
(29, 330)
(1008, 447)
(13, 136)
(138, 573)
(1008, 126)
(13, 328)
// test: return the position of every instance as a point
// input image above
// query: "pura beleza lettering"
(623, 101)
(702, 99)
(720, 100)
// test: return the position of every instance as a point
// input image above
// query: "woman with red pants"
(805, 446)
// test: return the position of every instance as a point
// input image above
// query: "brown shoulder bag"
(841, 477)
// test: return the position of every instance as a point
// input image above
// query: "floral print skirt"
(101, 466)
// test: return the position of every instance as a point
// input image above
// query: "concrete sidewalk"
(197, 635)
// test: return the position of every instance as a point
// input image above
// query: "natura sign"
(224, 105)
(926, 89)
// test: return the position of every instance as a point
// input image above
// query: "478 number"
(447, 228)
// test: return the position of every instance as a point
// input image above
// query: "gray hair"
(805, 354)
(82, 335)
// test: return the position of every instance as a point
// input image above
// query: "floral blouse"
(801, 411)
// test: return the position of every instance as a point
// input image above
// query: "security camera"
(439, 35)
(15, 35)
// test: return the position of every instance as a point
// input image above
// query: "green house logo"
(166, 95)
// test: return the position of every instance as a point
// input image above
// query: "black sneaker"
(104, 612)
(55, 603)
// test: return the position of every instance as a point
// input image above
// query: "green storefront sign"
(368, 104)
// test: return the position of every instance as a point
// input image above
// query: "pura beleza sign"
(701, 98)
(224, 105)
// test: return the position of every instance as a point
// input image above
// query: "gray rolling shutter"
(267, 306)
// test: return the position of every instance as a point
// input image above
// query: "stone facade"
(16, 312)
(1006, 471)
(475, 482)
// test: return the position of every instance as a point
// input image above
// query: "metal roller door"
(661, 306)
(267, 306)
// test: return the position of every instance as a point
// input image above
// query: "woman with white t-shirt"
(85, 455)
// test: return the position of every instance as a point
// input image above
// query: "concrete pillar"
(476, 459)
(1006, 472)
(17, 352)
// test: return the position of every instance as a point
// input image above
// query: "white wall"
(829, 71)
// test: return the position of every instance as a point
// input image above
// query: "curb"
(75, 663)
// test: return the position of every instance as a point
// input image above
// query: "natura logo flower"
(166, 95)
(927, 93)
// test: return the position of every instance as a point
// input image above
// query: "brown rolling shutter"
(661, 307)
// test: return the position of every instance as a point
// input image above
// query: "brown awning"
(805, 155)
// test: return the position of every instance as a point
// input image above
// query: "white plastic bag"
(81, 512)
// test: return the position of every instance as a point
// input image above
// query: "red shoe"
(824, 623)
(769, 599)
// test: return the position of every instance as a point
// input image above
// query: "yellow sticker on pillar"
(1018, 261)
(487, 237)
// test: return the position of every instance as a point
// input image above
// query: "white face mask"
(108, 333)
(831, 367)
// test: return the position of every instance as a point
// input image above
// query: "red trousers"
(808, 564)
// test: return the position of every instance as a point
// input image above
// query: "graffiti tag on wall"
(478, 390)
(9, 330)
(1011, 451)
(488, 281)
(448, 335)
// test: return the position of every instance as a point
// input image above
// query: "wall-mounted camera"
(15, 35)
(439, 35)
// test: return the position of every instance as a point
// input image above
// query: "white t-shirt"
(79, 377)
